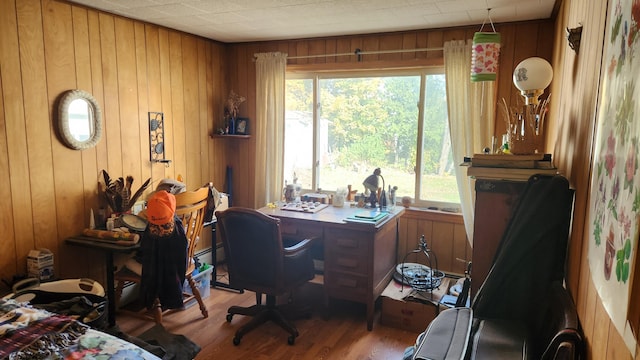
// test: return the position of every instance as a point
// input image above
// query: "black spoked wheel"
(291, 340)
(236, 340)
(229, 317)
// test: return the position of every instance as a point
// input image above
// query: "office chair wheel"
(291, 340)
(229, 317)
(236, 340)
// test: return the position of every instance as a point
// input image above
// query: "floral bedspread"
(30, 333)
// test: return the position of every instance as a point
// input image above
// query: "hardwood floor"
(343, 335)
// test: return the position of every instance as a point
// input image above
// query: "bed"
(33, 331)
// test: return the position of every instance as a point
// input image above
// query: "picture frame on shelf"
(242, 126)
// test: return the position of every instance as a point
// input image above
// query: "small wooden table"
(108, 249)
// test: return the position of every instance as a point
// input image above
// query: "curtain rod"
(359, 52)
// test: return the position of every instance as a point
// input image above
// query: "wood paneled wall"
(131, 68)
(48, 46)
(539, 42)
(444, 234)
(576, 81)
(570, 123)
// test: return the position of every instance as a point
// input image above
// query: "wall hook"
(573, 36)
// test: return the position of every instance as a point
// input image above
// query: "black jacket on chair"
(164, 267)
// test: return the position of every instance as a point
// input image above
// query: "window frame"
(422, 72)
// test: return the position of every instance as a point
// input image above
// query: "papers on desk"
(368, 216)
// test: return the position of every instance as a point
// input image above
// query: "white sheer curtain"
(270, 94)
(471, 108)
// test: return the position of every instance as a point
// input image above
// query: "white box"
(203, 282)
(40, 264)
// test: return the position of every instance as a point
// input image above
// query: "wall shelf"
(229, 136)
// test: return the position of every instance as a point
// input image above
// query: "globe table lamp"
(525, 126)
(531, 77)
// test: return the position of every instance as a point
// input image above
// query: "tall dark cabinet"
(495, 202)
(498, 189)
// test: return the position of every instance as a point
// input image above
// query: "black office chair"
(258, 261)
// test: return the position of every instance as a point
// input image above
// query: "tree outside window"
(362, 122)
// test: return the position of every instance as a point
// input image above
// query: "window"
(340, 127)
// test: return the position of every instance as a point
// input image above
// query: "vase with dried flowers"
(117, 193)
(231, 111)
(525, 126)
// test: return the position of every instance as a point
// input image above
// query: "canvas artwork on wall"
(615, 182)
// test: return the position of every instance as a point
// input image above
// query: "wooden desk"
(108, 249)
(359, 259)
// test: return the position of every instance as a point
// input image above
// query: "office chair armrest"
(298, 247)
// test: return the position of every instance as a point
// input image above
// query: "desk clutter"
(304, 206)
(120, 230)
(118, 237)
(61, 296)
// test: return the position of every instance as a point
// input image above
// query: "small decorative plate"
(418, 276)
(413, 270)
(133, 222)
(159, 148)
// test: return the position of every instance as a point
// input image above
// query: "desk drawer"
(347, 251)
(347, 241)
(299, 229)
(345, 262)
(346, 286)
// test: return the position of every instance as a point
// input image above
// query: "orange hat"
(161, 207)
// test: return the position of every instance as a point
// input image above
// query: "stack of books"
(506, 166)
(372, 216)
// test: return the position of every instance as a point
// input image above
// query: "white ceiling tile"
(210, 6)
(460, 6)
(525, 9)
(257, 20)
(446, 18)
(177, 10)
(146, 13)
(102, 4)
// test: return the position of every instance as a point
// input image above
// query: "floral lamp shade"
(485, 53)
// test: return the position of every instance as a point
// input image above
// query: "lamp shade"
(534, 73)
(485, 53)
(531, 77)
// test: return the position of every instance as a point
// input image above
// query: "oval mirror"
(79, 120)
